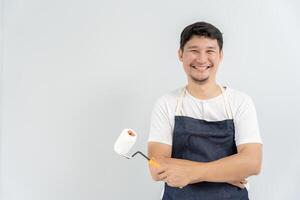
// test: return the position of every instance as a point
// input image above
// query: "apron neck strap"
(227, 104)
(228, 109)
(179, 101)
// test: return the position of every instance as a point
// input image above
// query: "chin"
(200, 80)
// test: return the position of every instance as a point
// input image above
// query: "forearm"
(212, 171)
(232, 168)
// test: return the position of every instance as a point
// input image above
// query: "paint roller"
(125, 142)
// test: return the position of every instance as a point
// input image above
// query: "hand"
(240, 184)
(176, 173)
(154, 169)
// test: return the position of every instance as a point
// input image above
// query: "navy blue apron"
(203, 141)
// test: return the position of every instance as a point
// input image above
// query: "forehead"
(202, 42)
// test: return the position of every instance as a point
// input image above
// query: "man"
(205, 137)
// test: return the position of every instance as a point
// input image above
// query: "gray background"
(75, 73)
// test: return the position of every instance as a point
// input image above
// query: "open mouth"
(201, 68)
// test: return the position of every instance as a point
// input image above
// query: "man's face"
(200, 58)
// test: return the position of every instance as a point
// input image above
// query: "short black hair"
(201, 29)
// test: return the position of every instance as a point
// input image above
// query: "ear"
(180, 52)
(221, 55)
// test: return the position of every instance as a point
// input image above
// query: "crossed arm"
(233, 169)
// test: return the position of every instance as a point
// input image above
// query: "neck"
(204, 91)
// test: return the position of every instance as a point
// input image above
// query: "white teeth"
(201, 67)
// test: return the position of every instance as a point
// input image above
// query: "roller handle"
(153, 163)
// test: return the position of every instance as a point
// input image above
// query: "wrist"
(197, 173)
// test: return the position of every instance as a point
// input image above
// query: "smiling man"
(204, 136)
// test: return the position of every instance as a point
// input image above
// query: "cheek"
(186, 63)
(188, 58)
(214, 58)
(186, 67)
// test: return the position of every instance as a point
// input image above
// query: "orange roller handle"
(153, 163)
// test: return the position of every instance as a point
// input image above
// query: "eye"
(210, 51)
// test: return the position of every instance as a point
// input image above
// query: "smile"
(200, 67)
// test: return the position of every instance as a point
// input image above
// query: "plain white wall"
(75, 73)
(1, 67)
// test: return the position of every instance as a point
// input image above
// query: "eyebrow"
(195, 47)
(192, 47)
(210, 47)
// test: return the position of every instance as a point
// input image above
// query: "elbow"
(255, 168)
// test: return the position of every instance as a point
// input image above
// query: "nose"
(201, 57)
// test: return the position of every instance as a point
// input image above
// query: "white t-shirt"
(242, 107)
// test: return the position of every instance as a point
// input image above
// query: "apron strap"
(179, 102)
(228, 109)
(227, 104)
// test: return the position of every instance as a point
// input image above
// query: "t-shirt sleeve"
(246, 124)
(160, 125)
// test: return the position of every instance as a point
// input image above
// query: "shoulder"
(242, 105)
(238, 98)
(166, 104)
(169, 99)
(245, 118)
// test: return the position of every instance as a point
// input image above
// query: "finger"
(163, 176)
(170, 184)
(161, 169)
(240, 185)
(237, 184)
